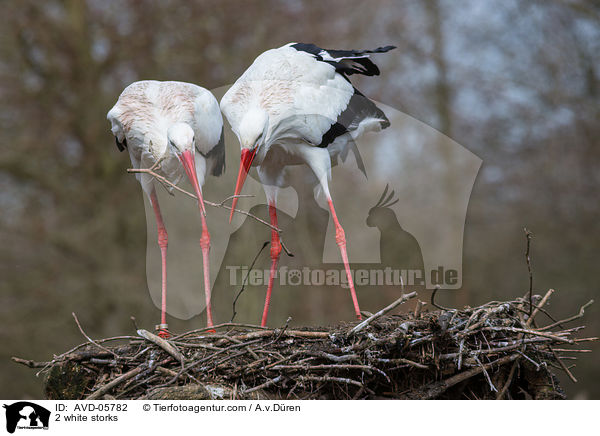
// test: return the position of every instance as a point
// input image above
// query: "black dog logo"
(26, 415)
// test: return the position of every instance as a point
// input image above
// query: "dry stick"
(435, 389)
(528, 332)
(511, 374)
(166, 371)
(332, 357)
(267, 333)
(572, 318)
(382, 312)
(586, 339)
(192, 345)
(324, 367)
(420, 305)
(539, 306)
(29, 363)
(528, 235)
(532, 316)
(434, 304)
(533, 362)
(264, 385)
(516, 344)
(218, 326)
(107, 387)
(403, 361)
(165, 345)
(66, 354)
(562, 365)
(326, 378)
(210, 203)
(90, 339)
(485, 373)
(234, 313)
(544, 311)
(282, 331)
(196, 363)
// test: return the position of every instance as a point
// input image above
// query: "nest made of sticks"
(492, 351)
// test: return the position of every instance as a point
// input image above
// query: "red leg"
(275, 252)
(163, 240)
(340, 238)
(205, 246)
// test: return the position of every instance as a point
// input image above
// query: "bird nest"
(496, 350)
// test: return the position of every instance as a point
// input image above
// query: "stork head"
(181, 138)
(252, 132)
(181, 141)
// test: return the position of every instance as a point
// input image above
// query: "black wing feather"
(359, 108)
(346, 62)
(121, 145)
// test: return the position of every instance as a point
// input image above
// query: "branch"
(165, 181)
(382, 312)
(539, 306)
(107, 387)
(264, 385)
(90, 339)
(165, 345)
(246, 279)
(435, 389)
(29, 363)
(572, 318)
(528, 235)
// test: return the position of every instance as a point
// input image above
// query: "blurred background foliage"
(515, 82)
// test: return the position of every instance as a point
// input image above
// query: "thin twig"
(107, 387)
(435, 389)
(528, 235)
(485, 373)
(90, 339)
(29, 363)
(509, 379)
(402, 361)
(331, 379)
(528, 332)
(562, 365)
(539, 306)
(264, 385)
(572, 318)
(434, 304)
(219, 326)
(246, 280)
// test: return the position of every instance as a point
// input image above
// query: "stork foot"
(163, 331)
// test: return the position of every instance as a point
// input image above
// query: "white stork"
(295, 105)
(179, 127)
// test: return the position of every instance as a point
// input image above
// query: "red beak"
(189, 165)
(245, 161)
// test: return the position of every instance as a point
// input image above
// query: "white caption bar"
(321, 417)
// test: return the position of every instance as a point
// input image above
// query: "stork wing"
(346, 62)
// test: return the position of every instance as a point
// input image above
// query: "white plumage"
(143, 115)
(179, 127)
(295, 105)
